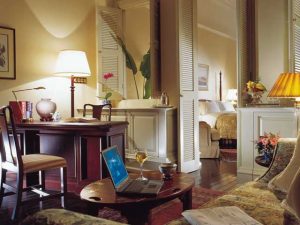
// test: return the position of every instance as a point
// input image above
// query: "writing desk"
(80, 143)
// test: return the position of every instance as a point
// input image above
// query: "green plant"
(146, 73)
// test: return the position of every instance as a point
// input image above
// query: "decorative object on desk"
(22, 110)
(45, 108)
(106, 77)
(232, 96)
(141, 155)
(72, 63)
(164, 99)
(167, 169)
(7, 53)
(266, 145)
(255, 89)
(287, 86)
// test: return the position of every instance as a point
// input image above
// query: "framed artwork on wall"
(203, 77)
(7, 53)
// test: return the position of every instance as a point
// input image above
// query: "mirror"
(136, 23)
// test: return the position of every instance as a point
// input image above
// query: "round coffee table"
(137, 209)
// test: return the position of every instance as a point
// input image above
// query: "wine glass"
(141, 156)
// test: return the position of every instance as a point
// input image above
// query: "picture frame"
(203, 77)
(7, 53)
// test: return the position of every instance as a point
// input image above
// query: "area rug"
(168, 211)
(228, 155)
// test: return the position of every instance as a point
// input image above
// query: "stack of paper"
(227, 215)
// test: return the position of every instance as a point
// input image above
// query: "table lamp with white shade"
(232, 96)
(72, 63)
(287, 86)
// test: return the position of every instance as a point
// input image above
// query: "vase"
(256, 97)
(105, 101)
(45, 108)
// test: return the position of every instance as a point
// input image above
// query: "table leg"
(186, 200)
(92, 209)
(137, 216)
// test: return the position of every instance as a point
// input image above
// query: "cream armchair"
(209, 141)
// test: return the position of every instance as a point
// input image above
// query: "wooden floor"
(213, 174)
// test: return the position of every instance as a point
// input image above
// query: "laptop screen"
(115, 165)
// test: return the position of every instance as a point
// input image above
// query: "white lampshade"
(72, 63)
(231, 95)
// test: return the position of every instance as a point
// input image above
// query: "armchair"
(209, 141)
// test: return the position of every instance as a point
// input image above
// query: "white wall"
(219, 53)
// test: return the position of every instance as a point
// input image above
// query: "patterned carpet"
(160, 215)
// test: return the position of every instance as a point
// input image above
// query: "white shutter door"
(110, 55)
(296, 35)
(189, 128)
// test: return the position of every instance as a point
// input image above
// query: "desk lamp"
(72, 63)
(287, 86)
(232, 96)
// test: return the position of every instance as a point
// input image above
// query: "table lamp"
(232, 96)
(72, 63)
(287, 86)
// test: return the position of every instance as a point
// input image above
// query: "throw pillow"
(228, 107)
(282, 181)
(212, 107)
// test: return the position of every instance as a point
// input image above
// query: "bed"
(223, 117)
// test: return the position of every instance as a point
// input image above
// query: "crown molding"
(201, 26)
(129, 4)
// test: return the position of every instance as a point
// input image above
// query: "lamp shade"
(72, 63)
(231, 95)
(286, 86)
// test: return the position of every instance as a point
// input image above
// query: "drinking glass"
(141, 156)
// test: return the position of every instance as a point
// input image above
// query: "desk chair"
(97, 110)
(13, 161)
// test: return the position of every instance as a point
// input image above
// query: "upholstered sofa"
(273, 198)
(209, 141)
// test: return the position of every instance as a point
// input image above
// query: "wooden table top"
(105, 193)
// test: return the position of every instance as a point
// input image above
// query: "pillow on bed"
(212, 107)
(226, 106)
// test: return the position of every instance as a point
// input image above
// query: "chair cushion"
(215, 136)
(36, 162)
(283, 180)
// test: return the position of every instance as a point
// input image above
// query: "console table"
(79, 143)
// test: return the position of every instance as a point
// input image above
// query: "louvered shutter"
(295, 36)
(110, 55)
(189, 128)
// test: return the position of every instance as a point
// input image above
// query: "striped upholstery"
(36, 162)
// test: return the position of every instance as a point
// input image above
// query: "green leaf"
(108, 95)
(130, 63)
(147, 88)
(145, 67)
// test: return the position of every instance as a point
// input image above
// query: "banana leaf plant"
(146, 73)
(130, 63)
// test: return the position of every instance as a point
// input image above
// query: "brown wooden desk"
(79, 143)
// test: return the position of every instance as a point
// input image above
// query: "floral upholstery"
(255, 198)
(64, 217)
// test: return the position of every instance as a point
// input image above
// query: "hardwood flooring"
(214, 174)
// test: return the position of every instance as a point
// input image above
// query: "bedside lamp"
(72, 63)
(287, 86)
(232, 96)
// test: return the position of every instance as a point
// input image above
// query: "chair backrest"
(97, 110)
(11, 151)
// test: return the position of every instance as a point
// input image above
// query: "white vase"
(45, 108)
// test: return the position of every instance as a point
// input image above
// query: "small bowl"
(167, 169)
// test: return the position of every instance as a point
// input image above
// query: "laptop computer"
(120, 178)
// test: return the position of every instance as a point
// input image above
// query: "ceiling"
(218, 16)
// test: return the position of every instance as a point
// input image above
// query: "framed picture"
(7, 53)
(203, 77)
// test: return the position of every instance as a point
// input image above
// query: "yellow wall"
(219, 53)
(43, 28)
(137, 38)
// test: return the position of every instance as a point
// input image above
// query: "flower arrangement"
(107, 76)
(256, 90)
(266, 145)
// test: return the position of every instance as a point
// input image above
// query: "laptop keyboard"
(136, 186)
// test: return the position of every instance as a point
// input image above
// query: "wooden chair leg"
(2, 181)
(63, 182)
(18, 196)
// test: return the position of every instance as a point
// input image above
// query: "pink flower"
(107, 75)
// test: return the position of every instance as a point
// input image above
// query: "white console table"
(252, 123)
